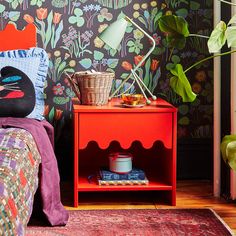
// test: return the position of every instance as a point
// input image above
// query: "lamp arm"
(151, 38)
(143, 59)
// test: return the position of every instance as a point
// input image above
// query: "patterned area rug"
(160, 222)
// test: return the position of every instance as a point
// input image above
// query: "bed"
(27, 159)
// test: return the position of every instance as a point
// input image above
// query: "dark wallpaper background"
(68, 31)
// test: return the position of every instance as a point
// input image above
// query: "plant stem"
(171, 52)
(208, 58)
(199, 35)
(230, 3)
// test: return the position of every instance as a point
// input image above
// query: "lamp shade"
(114, 33)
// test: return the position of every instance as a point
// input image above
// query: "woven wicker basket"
(94, 88)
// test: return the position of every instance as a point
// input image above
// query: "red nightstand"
(112, 122)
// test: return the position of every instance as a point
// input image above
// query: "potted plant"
(177, 31)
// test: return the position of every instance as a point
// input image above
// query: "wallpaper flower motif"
(68, 30)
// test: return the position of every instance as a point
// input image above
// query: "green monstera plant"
(177, 31)
(228, 150)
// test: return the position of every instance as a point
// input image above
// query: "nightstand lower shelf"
(85, 186)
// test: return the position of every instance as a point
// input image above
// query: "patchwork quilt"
(19, 166)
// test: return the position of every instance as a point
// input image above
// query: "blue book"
(134, 174)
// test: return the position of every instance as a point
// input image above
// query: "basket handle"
(73, 83)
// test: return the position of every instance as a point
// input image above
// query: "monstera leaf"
(217, 38)
(230, 32)
(228, 150)
(176, 28)
(180, 84)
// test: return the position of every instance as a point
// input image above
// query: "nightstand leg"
(76, 202)
(76, 159)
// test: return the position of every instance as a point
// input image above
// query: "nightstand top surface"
(115, 105)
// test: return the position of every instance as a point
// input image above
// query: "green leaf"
(98, 55)
(78, 12)
(182, 12)
(14, 4)
(33, 2)
(154, 12)
(142, 20)
(58, 33)
(51, 115)
(124, 76)
(194, 5)
(72, 19)
(184, 121)
(86, 63)
(232, 20)
(157, 17)
(60, 100)
(146, 79)
(158, 51)
(49, 29)
(173, 25)
(14, 15)
(228, 150)
(39, 3)
(110, 70)
(176, 28)
(130, 43)
(217, 38)
(69, 70)
(80, 21)
(180, 84)
(61, 67)
(113, 52)
(70, 93)
(175, 59)
(100, 18)
(137, 51)
(230, 32)
(2, 8)
(129, 29)
(230, 35)
(170, 66)
(177, 41)
(183, 109)
(131, 49)
(57, 61)
(52, 37)
(112, 63)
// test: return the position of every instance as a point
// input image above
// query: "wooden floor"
(190, 194)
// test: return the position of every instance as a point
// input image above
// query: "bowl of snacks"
(132, 99)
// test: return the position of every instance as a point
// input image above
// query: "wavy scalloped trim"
(105, 145)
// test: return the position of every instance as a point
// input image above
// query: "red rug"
(160, 222)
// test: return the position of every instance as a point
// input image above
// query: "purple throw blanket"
(43, 133)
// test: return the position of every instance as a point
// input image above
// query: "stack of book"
(134, 177)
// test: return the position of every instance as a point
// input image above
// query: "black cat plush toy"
(17, 94)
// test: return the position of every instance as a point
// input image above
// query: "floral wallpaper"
(68, 30)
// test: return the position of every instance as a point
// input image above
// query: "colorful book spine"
(134, 174)
(123, 182)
